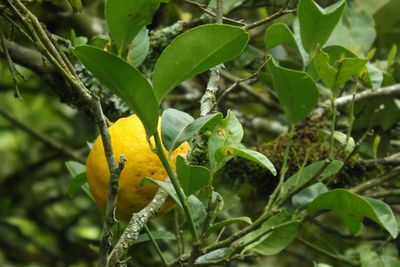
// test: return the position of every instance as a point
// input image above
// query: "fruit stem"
(175, 182)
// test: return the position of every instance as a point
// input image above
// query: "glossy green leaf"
(173, 123)
(297, 91)
(304, 175)
(308, 194)
(224, 154)
(229, 132)
(123, 80)
(346, 201)
(126, 18)
(139, 48)
(194, 52)
(200, 124)
(278, 34)
(191, 178)
(197, 210)
(158, 235)
(167, 186)
(219, 225)
(316, 24)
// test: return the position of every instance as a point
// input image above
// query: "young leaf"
(297, 91)
(125, 81)
(346, 201)
(192, 178)
(126, 18)
(304, 175)
(316, 24)
(139, 48)
(229, 132)
(224, 154)
(326, 72)
(205, 123)
(348, 68)
(173, 123)
(196, 51)
(219, 225)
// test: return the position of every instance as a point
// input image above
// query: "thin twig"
(241, 80)
(393, 174)
(135, 226)
(269, 19)
(14, 72)
(212, 14)
(156, 246)
(392, 90)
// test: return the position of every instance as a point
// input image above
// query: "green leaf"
(158, 235)
(349, 67)
(126, 18)
(191, 178)
(76, 183)
(215, 256)
(197, 210)
(75, 168)
(355, 31)
(297, 92)
(139, 48)
(307, 195)
(76, 5)
(224, 154)
(200, 124)
(340, 137)
(273, 236)
(346, 201)
(229, 132)
(167, 186)
(278, 240)
(219, 225)
(336, 76)
(194, 52)
(316, 24)
(278, 34)
(304, 175)
(374, 78)
(173, 123)
(123, 80)
(326, 72)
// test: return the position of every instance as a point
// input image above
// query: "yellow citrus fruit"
(128, 137)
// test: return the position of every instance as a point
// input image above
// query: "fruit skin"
(128, 137)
